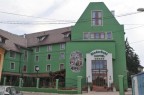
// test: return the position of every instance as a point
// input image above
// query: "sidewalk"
(90, 93)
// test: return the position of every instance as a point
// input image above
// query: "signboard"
(99, 54)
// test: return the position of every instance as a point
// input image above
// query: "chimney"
(113, 12)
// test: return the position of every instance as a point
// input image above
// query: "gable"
(85, 24)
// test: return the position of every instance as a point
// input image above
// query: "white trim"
(47, 68)
(61, 44)
(38, 49)
(14, 54)
(93, 56)
(100, 39)
(60, 55)
(11, 65)
(60, 66)
(92, 20)
(48, 47)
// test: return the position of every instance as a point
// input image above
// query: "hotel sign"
(99, 53)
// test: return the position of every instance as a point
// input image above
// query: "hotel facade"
(93, 48)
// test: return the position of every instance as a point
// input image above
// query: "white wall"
(107, 57)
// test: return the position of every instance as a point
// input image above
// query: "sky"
(29, 16)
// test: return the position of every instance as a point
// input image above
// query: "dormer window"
(2, 39)
(97, 18)
(41, 38)
(66, 34)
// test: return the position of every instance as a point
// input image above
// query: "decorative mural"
(76, 61)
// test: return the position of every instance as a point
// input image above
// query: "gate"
(99, 74)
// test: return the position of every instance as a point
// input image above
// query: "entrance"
(99, 73)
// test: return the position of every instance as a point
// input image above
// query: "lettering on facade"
(96, 52)
(76, 61)
(99, 54)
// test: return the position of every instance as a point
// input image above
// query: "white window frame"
(11, 65)
(85, 37)
(38, 49)
(60, 66)
(12, 56)
(63, 55)
(92, 19)
(107, 35)
(62, 46)
(49, 48)
(47, 67)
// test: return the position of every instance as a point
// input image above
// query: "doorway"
(99, 73)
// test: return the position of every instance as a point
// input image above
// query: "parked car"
(9, 90)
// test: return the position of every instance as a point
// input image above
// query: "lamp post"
(37, 70)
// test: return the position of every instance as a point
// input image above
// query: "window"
(12, 54)
(36, 58)
(49, 56)
(99, 64)
(41, 38)
(62, 46)
(61, 66)
(48, 67)
(24, 68)
(102, 35)
(97, 35)
(92, 35)
(49, 48)
(109, 35)
(25, 55)
(62, 55)
(86, 36)
(12, 66)
(2, 40)
(96, 18)
(37, 49)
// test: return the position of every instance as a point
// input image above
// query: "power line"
(62, 21)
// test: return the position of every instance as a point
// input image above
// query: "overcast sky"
(29, 16)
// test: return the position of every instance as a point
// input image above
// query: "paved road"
(90, 93)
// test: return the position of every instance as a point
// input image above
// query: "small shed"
(138, 84)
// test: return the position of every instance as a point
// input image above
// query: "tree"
(132, 62)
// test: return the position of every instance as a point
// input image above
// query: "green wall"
(110, 24)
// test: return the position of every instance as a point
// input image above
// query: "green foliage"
(132, 61)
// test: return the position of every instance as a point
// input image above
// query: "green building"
(93, 48)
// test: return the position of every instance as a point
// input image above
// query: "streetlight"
(37, 70)
(140, 9)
